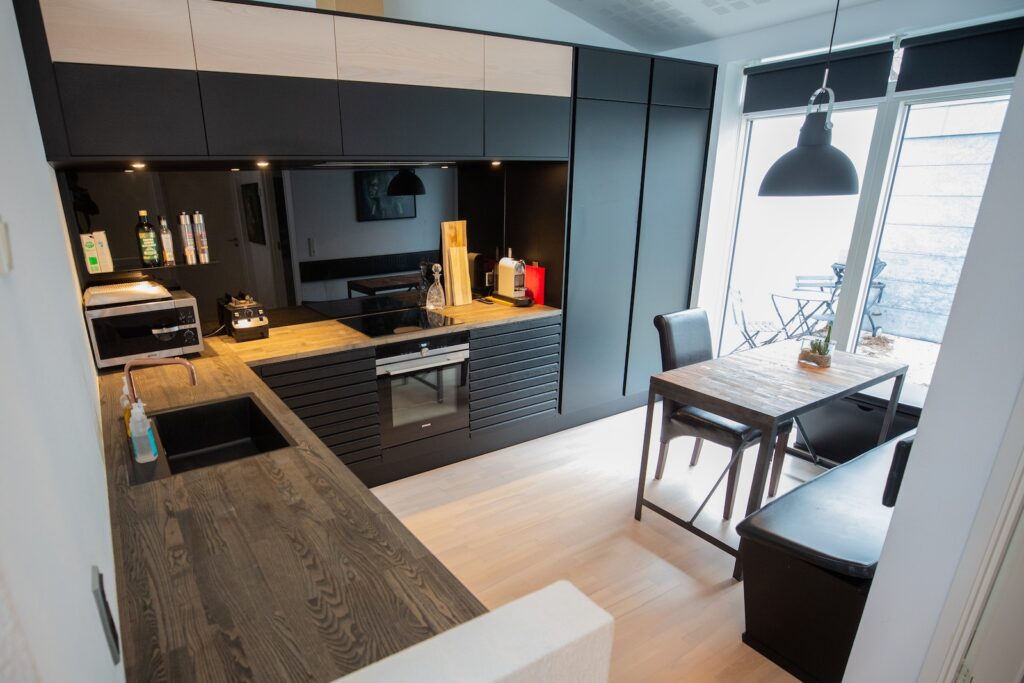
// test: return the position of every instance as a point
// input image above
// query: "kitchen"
(326, 179)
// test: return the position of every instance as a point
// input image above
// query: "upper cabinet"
(268, 79)
(141, 33)
(125, 71)
(527, 101)
(527, 67)
(227, 78)
(246, 39)
(615, 76)
(409, 90)
(400, 54)
(682, 84)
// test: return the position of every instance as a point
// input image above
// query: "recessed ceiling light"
(236, 169)
(263, 164)
(495, 163)
(128, 170)
(444, 167)
(138, 165)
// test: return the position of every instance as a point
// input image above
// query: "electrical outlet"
(6, 262)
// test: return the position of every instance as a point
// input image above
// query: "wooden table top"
(331, 336)
(768, 384)
(276, 567)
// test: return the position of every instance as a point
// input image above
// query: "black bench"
(808, 560)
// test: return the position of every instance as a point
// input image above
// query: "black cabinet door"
(131, 111)
(249, 114)
(608, 75)
(676, 150)
(379, 119)
(682, 84)
(607, 167)
(518, 125)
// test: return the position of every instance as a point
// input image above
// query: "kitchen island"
(280, 566)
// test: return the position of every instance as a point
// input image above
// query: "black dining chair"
(686, 339)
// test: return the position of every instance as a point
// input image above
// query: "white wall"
(323, 209)
(962, 429)
(530, 18)
(54, 522)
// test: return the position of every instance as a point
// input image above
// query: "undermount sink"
(214, 433)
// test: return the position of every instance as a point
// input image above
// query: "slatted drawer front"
(336, 396)
(513, 372)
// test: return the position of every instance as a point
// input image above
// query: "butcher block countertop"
(330, 336)
(276, 567)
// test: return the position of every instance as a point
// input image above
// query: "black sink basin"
(212, 433)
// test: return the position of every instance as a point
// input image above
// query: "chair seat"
(690, 421)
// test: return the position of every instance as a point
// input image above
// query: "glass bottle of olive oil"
(149, 249)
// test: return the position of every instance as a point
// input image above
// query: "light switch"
(6, 262)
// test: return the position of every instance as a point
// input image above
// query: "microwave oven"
(149, 329)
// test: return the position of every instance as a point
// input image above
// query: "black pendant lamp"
(814, 167)
(406, 183)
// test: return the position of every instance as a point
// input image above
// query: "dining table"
(763, 387)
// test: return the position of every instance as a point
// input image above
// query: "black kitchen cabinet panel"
(336, 397)
(607, 75)
(252, 115)
(682, 84)
(518, 125)
(513, 373)
(409, 120)
(131, 111)
(607, 170)
(676, 145)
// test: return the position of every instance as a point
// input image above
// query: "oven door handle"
(405, 370)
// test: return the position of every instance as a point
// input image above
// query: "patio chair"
(755, 333)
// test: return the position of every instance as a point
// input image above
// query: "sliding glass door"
(939, 176)
(789, 253)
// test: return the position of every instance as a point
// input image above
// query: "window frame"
(872, 205)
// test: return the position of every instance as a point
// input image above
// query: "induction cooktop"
(397, 322)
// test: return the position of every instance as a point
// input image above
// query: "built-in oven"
(423, 387)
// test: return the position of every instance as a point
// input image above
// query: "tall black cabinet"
(607, 169)
(639, 150)
(670, 212)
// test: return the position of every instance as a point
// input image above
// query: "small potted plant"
(818, 351)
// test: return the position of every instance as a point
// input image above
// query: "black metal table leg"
(651, 395)
(890, 410)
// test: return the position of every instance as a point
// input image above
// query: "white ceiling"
(659, 25)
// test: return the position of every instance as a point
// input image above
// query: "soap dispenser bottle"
(141, 433)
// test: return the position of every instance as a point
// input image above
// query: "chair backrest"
(685, 338)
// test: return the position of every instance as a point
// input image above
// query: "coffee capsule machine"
(511, 282)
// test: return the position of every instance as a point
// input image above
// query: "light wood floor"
(561, 507)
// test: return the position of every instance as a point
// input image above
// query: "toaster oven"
(148, 329)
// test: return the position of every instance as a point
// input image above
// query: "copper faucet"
(146, 362)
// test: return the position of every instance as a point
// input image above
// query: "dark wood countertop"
(332, 336)
(276, 567)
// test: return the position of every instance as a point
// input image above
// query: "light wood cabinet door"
(146, 33)
(246, 39)
(382, 52)
(528, 67)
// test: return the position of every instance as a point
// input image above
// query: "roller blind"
(978, 53)
(855, 74)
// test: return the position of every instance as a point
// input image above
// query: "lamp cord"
(831, 40)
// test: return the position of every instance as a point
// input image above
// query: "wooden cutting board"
(453, 234)
(458, 261)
